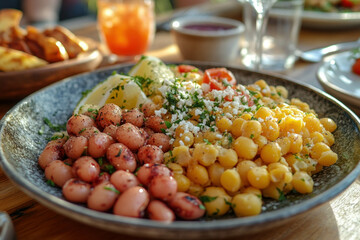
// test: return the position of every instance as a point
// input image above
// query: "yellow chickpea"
(251, 129)
(263, 113)
(175, 168)
(291, 160)
(329, 138)
(243, 168)
(216, 201)
(312, 123)
(282, 91)
(246, 116)
(245, 147)
(278, 113)
(280, 173)
(253, 190)
(179, 131)
(211, 137)
(205, 154)
(259, 162)
(296, 143)
(291, 124)
(224, 124)
(183, 183)
(199, 138)
(275, 191)
(316, 137)
(318, 168)
(185, 139)
(262, 83)
(328, 124)
(318, 149)
(198, 174)
(270, 129)
(260, 141)
(227, 157)
(215, 171)
(195, 189)
(230, 180)
(328, 158)
(284, 144)
(271, 152)
(181, 155)
(246, 204)
(302, 182)
(305, 133)
(301, 105)
(258, 177)
(236, 127)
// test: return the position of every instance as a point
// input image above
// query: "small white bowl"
(206, 38)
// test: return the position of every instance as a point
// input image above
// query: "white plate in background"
(326, 20)
(336, 77)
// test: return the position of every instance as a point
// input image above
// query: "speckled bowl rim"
(178, 228)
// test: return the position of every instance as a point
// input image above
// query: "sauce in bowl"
(208, 27)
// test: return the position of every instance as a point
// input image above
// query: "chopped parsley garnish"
(252, 93)
(168, 124)
(50, 183)
(112, 189)
(207, 141)
(109, 168)
(57, 128)
(229, 203)
(281, 195)
(206, 199)
(298, 158)
(100, 161)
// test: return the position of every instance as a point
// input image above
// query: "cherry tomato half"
(219, 78)
(356, 67)
(347, 3)
(188, 68)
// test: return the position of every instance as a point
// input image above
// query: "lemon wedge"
(127, 96)
(125, 91)
(117, 89)
(153, 68)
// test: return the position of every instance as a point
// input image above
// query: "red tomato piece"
(347, 3)
(188, 68)
(219, 78)
(356, 67)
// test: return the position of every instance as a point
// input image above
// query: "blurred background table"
(337, 219)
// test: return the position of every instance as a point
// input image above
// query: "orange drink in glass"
(127, 26)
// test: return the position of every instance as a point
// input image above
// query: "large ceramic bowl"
(21, 145)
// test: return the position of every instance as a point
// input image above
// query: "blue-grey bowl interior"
(21, 145)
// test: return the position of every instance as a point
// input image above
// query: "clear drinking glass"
(126, 26)
(279, 38)
(262, 8)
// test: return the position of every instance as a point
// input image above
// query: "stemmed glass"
(262, 8)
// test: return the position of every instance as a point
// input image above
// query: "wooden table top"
(337, 219)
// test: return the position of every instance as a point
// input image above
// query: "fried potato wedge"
(47, 48)
(9, 18)
(72, 44)
(14, 60)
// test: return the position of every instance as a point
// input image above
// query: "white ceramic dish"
(207, 44)
(336, 77)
